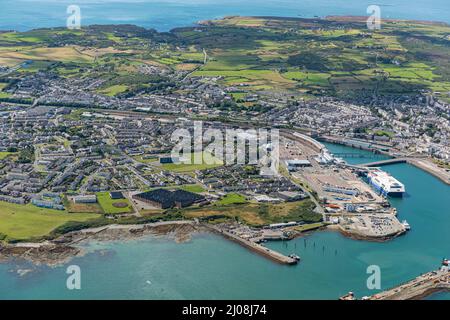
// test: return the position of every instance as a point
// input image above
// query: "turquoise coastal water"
(166, 14)
(209, 267)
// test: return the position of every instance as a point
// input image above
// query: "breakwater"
(264, 251)
(418, 288)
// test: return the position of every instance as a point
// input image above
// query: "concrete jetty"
(271, 254)
(417, 288)
(384, 162)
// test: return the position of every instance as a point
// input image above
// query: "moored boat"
(294, 256)
(406, 225)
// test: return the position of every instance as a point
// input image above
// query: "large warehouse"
(165, 199)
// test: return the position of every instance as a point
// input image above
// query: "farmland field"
(340, 61)
(304, 57)
(3, 155)
(113, 90)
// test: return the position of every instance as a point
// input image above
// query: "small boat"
(406, 225)
(348, 296)
(294, 256)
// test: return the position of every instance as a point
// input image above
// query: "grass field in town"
(111, 206)
(208, 162)
(232, 198)
(3, 154)
(20, 222)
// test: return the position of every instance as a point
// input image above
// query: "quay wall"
(309, 141)
(418, 288)
(384, 162)
(266, 252)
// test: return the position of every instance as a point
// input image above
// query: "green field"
(3, 154)
(22, 222)
(314, 58)
(107, 204)
(191, 166)
(309, 78)
(331, 56)
(195, 188)
(231, 198)
(113, 90)
(309, 227)
(383, 133)
(238, 95)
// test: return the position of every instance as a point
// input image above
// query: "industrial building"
(167, 160)
(164, 199)
(294, 165)
(291, 196)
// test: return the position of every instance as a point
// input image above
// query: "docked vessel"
(294, 256)
(348, 296)
(385, 183)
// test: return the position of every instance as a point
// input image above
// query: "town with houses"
(59, 157)
(92, 141)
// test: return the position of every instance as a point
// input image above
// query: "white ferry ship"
(385, 183)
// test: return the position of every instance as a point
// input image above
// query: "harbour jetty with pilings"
(269, 253)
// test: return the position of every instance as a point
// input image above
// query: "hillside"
(306, 57)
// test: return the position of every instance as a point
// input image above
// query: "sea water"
(164, 15)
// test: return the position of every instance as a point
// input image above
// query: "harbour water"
(210, 267)
(164, 15)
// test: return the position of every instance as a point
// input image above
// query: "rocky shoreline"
(50, 254)
(66, 247)
(357, 236)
